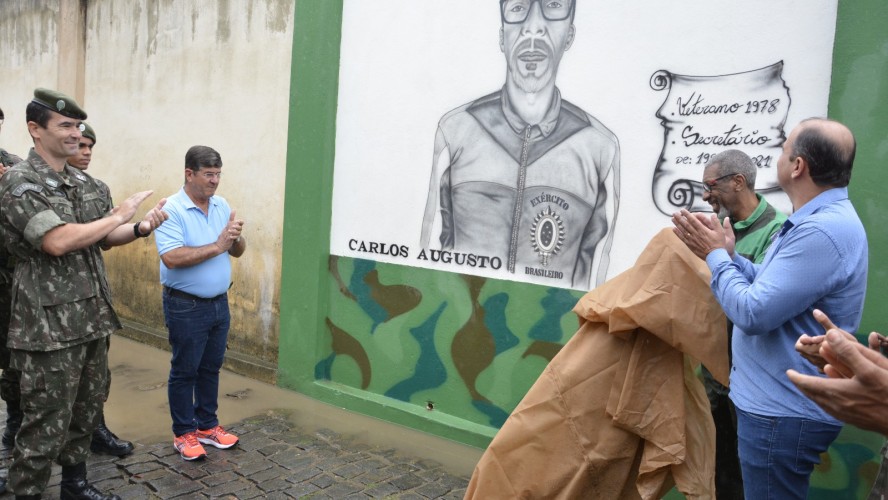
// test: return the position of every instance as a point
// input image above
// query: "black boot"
(14, 417)
(105, 441)
(76, 487)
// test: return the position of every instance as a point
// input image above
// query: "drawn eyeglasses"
(708, 185)
(516, 11)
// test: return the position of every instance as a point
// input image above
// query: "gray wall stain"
(223, 22)
(29, 28)
(135, 21)
(250, 6)
(195, 13)
(279, 14)
(151, 31)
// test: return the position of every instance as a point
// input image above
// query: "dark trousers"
(62, 394)
(198, 332)
(9, 379)
(728, 475)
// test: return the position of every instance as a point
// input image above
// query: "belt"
(179, 294)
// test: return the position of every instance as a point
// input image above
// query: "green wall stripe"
(859, 98)
(308, 205)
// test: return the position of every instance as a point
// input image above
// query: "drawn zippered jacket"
(543, 198)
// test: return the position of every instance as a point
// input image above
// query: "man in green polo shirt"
(729, 187)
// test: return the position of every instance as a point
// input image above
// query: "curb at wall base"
(235, 362)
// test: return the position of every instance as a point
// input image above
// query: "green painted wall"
(312, 134)
(859, 98)
(452, 354)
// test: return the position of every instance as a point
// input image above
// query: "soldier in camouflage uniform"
(7, 159)
(9, 378)
(103, 440)
(54, 222)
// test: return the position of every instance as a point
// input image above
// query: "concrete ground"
(290, 446)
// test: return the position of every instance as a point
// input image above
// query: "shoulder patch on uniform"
(27, 186)
(80, 177)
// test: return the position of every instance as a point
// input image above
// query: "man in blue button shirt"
(818, 260)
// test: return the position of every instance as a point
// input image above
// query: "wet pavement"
(290, 446)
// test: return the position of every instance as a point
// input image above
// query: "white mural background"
(405, 63)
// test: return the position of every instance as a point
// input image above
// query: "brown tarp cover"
(619, 411)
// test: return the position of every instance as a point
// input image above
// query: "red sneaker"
(218, 437)
(189, 447)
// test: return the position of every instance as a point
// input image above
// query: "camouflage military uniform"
(8, 159)
(60, 318)
(105, 196)
(9, 380)
(6, 267)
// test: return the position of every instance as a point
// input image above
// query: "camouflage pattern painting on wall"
(469, 347)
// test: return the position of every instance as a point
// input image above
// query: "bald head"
(828, 147)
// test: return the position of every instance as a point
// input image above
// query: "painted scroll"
(705, 115)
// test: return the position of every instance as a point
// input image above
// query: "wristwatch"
(139, 233)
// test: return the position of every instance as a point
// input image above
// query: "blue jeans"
(778, 454)
(198, 336)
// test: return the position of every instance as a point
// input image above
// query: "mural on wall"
(423, 307)
(522, 175)
(591, 128)
(704, 115)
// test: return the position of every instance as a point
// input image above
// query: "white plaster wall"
(161, 76)
(28, 59)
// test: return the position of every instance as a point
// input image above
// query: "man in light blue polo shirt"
(817, 260)
(195, 247)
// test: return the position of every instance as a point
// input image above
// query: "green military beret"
(88, 132)
(58, 102)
